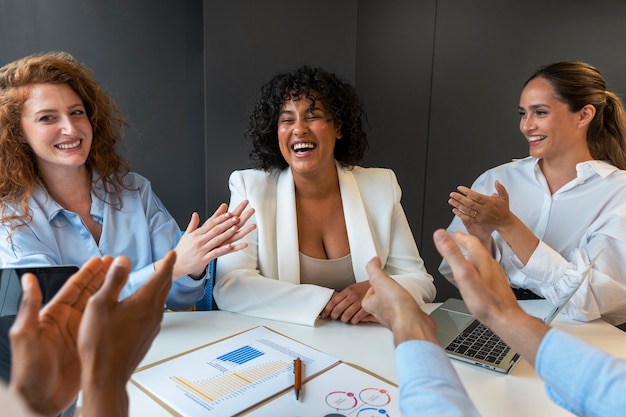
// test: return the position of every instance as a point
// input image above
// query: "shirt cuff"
(187, 281)
(437, 365)
(545, 266)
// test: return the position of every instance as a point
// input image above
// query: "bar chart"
(229, 376)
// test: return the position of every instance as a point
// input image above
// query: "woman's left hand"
(214, 238)
(481, 214)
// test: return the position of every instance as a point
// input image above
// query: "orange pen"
(297, 377)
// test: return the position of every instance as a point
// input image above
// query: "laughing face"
(306, 136)
(552, 130)
(56, 127)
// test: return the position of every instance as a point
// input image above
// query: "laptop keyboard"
(478, 342)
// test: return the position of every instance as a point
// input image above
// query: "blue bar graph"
(241, 355)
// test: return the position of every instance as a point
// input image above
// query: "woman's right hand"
(214, 238)
(346, 305)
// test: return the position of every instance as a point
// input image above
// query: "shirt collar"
(587, 169)
(584, 170)
(52, 209)
(46, 203)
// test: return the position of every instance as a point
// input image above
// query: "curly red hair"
(19, 166)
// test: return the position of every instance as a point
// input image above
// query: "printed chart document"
(342, 391)
(229, 376)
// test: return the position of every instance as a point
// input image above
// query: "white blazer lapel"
(362, 248)
(287, 250)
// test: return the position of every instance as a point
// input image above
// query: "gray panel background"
(148, 54)
(440, 80)
(484, 51)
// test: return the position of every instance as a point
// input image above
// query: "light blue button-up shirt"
(141, 229)
(579, 377)
(428, 383)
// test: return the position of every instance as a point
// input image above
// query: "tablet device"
(51, 279)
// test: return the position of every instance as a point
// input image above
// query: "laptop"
(50, 278)
(464, 338)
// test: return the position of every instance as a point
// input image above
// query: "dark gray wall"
(395, 84)
(148, 54)
(440, 79)
(393, 75)
(247, 42)
(484, 51)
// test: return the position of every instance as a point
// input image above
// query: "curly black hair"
(339, 98)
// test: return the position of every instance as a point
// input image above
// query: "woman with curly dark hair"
(68, 196)
(320, 216)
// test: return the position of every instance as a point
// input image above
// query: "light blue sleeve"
(429, 385)
(140, 228)
(184, 293)
(581, 378)
(164, 234)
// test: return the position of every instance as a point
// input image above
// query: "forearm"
(179, 271)
(104, 397)
(519, 237)
(408, 325)
(103, 378)
(520, 331)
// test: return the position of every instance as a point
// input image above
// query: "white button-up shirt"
(583, 217)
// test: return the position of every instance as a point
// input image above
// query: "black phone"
(51, 279)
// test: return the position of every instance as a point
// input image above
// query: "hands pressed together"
(481, 214)
(85, 338)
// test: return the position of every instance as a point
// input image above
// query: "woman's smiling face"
(56, 127)
(306, 136)
(551, 128)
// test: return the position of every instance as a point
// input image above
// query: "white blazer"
(263, 280)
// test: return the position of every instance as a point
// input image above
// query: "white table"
(521, 393)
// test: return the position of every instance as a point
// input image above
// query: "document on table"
(342, 391)
(231, 375)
